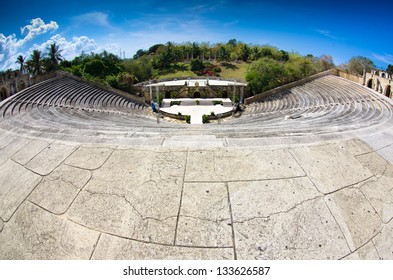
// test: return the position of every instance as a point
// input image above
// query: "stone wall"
(15, 81)
(354, 78)
(380, 82)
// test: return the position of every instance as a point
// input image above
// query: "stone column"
(234, 92)
(242, 94)
(151, 92)
(158, 101)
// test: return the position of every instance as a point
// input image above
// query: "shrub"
(187, 118)
(179, 114)
(197, 102)
(175, 103)
(212, 113)
(217, 102)
(205, 118)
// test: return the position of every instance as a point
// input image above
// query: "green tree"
(244, 52)
(197, 65)
(357, 64)
(21, 61)
(55, 57)
(139, 54)
(223, 54)
(35, 63)
(95, 68)
(265, 74)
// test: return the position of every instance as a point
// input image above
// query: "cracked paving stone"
(49, 158)
(307, 232)
(376, 164)
(223, 165)
(379, 193)
(379, 190)
(6, 140)
(330, 166)
(16, 183)
(204, 216)
(135, 194)
(355, 216)
(263, 198)
(356, 147)
(9, 150)
(57, 190)
(44, 236)
(367, 252)
(384, 242)
(89, 158)
(30, 150)
(112, 247)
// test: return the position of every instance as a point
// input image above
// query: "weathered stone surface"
(51, 157)
(6, 140)
(44, 236)
(263, 198)
(10, 149)
(330, 166)
(376, 164)
(367, 252)
(306, 232)
(16, 183)
(30, 150)
(1, 225)
(355, 147)
(204, 216)
(89, 158)
(384, 242)
(135, 194)
(111, 247)
(355, 216)
(223, 165)
(57, 190)
(379, 193)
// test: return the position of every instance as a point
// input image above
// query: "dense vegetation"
(262, 66)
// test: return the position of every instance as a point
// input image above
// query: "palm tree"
(21, 60)
(54, 55)
(35, 63)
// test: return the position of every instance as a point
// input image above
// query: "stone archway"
(370, 83)
(3, 93)
(388, 91)
(197, 94)
(21, 85)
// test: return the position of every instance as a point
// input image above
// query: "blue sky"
(342, 29)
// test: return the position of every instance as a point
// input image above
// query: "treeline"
(39, 63)
(269, 66)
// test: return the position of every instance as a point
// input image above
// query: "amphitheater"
(304, 174)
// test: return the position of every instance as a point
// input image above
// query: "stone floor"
(322, 200)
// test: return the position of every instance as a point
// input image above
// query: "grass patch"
(229, 70)
(234, 70)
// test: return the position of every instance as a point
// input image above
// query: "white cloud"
(11, 47)
(386, 58)
(37, 27)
